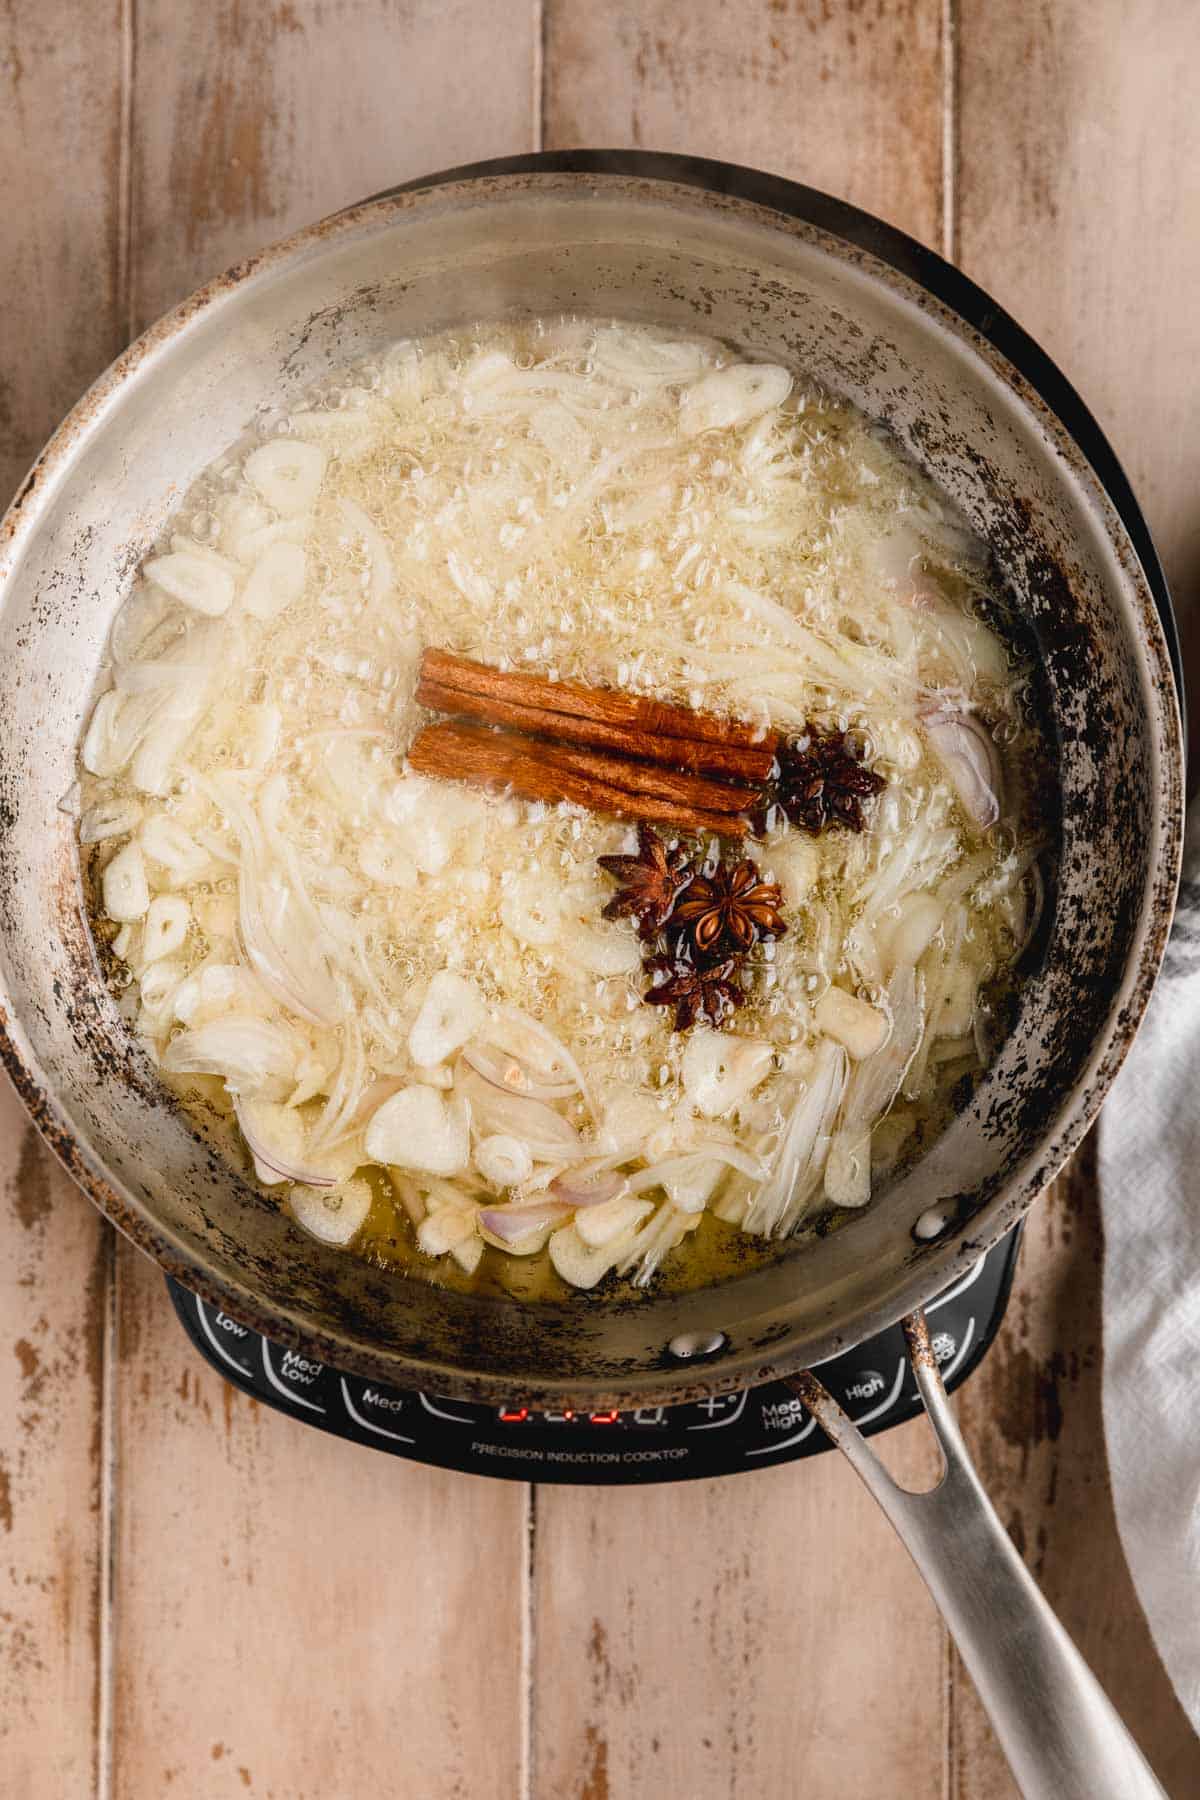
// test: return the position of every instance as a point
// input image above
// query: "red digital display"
(520, 1415)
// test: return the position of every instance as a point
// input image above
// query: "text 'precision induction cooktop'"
(753, 1429)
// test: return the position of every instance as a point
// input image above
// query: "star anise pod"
(695, 991)
(728, 911)
(650, 882)
(821, 780)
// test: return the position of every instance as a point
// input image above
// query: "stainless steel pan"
(785, 273)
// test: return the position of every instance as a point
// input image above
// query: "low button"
(234, 1344)
(298, 1378)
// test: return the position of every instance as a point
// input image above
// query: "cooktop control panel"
(752, 1429)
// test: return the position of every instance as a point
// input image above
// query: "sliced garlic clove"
(468, 1254)
(859, 1027)
(166, 842)
(167, 921)
(275, 581)
(157, 987)
(116, 728)
(418, 1129)
(205, 584)
(502, 1160)
(383, 857)
(124, 886)
(445, 1229)
(533, 916)
(600, 952)
(287, 473)
(600, 1225)
(381, 576)
(579, 1264)
(582, 1264)
(794, 864)
(690, 1183)
(451, 1013)
(720, 1070)
(334, 1215)
(627, 1121)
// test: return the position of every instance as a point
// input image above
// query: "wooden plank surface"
(297, 1616)
(763, 1635)
(60, 148)
(385, 1627)
(840, 97)
(1031, 1418)
(64, 173)
(253, 120)
(53, 1287)
(1077, 196)
(370, 1614)
(731, 1652)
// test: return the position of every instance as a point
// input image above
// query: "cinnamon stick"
(458, 751)
(646, 778)
(606, 706)
(701, 756)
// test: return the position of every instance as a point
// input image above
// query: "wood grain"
(724, 1638)
(760, 1635)
(60, 149)
(297, 1616)
(254, 120)
(1077, 194)
(1078, 184)
(846, 98)
(376, 1623)
(1031, 1418)
(53, 1284)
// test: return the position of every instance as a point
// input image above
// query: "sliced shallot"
(550, 1137)
(512, 1223)
(273, 1163)
(510, 1076)
(970, 759)
(579, 1189)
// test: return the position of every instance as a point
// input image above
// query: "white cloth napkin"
(1149, 1152)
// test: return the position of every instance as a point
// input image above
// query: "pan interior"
(777, 287)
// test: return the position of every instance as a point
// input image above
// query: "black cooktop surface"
(752, 1429)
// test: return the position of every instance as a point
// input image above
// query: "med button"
(377, 1411)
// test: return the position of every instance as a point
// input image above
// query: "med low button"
(300, 1379)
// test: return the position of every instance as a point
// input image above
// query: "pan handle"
(1058, 1729)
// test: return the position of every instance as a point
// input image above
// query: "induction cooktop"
(754, 1428)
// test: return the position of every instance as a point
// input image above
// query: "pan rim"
(968, 306)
